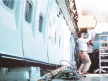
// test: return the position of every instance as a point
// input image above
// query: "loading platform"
(64, 73)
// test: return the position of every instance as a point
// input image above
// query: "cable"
(47, 53)
(46, 76)
(71, 65)
(22, 40)
(66, 61)
(26, 63)
(46, 19)
(51, 73)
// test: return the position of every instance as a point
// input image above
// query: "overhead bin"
(86, 22)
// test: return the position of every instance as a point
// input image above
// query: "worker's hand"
(82, 56)
(87, 30)
(75, 53)
(92, 38)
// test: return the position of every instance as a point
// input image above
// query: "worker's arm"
(92, 42)
(89, 37)
(75, 52)
(82, 55)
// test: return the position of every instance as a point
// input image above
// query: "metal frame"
(102, 60)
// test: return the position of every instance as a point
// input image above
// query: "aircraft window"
(28, 12)
(9, 3)
(40, 23)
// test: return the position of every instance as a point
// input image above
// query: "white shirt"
(90, 47)
(104, 50)
(83, 43)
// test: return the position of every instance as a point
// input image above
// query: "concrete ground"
(90, 77)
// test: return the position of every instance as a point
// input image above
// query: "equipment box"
(86, 22)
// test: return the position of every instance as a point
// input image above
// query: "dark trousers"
(78, 62)
(96, 64)
(91, 58)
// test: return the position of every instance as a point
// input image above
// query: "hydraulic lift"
(63, 73)
(34, 74)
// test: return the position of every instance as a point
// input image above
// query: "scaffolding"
(103, 54)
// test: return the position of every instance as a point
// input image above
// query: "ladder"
(105, 54)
